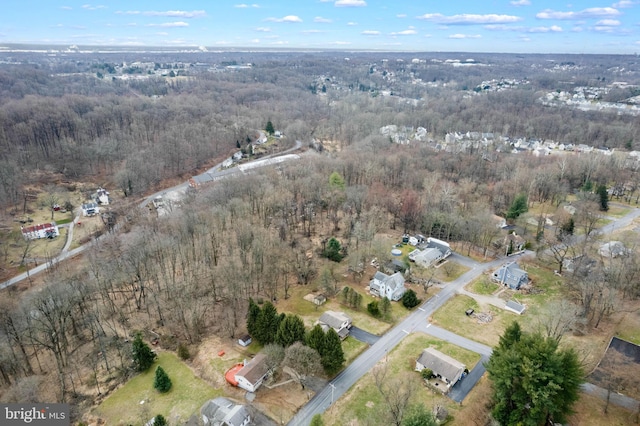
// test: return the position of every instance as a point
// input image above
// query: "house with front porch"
(389, 286)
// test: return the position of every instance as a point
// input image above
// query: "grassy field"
(188, 393)
(482, 285)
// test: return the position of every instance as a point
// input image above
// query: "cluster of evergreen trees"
(266, 326)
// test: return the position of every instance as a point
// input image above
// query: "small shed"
(245, 340)
(515, 307)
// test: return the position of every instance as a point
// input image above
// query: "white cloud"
(520, 3)
(409, 31)
(245, 6)
(288, 18)
(470, 19)
(168, 13)
(263, 29)
(352, 24)
(93, 7)
(622, 4)
(551, 29)
(592, 12)
(350, 3)
(340, 43)
(322, 20)
(608, 22)
(66, 8)
(312, 32)
(401, 15)
(370, 33)
(169, 25)
(462, 36)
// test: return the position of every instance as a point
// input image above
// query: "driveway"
(363, 336)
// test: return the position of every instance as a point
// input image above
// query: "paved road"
(67, 254)
(365, 362)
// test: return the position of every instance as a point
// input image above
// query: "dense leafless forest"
(73, 118)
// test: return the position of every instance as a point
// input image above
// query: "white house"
(448, 369)
(222, 411)
(90, 209)
(245, 340)
(45, 230)
(102, 197)
(389, 286)
(251, 376)
(339, 321)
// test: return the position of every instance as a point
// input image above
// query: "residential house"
(511, 275)
(90, 209)
(389, 286)
(444, 367)
(101, 197)
(45, 230)
(514, 243)
(223, 412)
(432, 252)
(612, 249)
(251, 376)
(339, 321)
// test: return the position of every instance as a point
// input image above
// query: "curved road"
(216, 171)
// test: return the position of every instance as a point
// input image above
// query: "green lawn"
(483, 285)
(187, 395)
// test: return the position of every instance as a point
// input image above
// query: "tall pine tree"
(315, 338)
(252, 317)
(534, 382)
(290, 330)
(143, 356)
(332, 356)
(267, 324)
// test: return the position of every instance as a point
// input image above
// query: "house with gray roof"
(511, 275)
(339, 321)
(251, 376)
(444, 367)
(389, 286)
(430, 253)
(223, 412)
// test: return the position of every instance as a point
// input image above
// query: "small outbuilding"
(245, 340)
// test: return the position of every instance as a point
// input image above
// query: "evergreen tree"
(290, 330)
(534, 382)
(267, 324)
(332, 356)
(604, 197)
(252, 317)
(143, 356)
(159, 420)
(162, 382)
(410, 299)
(373, 309)
(269, 128)
(518, 207)
(336, 181)
(333, 250)
(315, 338)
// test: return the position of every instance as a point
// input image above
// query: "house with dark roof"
(339, 321)
(444, 367)
(223, 412)
(389, 286)
(251, 376)
(90, 209)
(510, 275)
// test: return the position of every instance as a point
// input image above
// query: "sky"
(510, 26)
